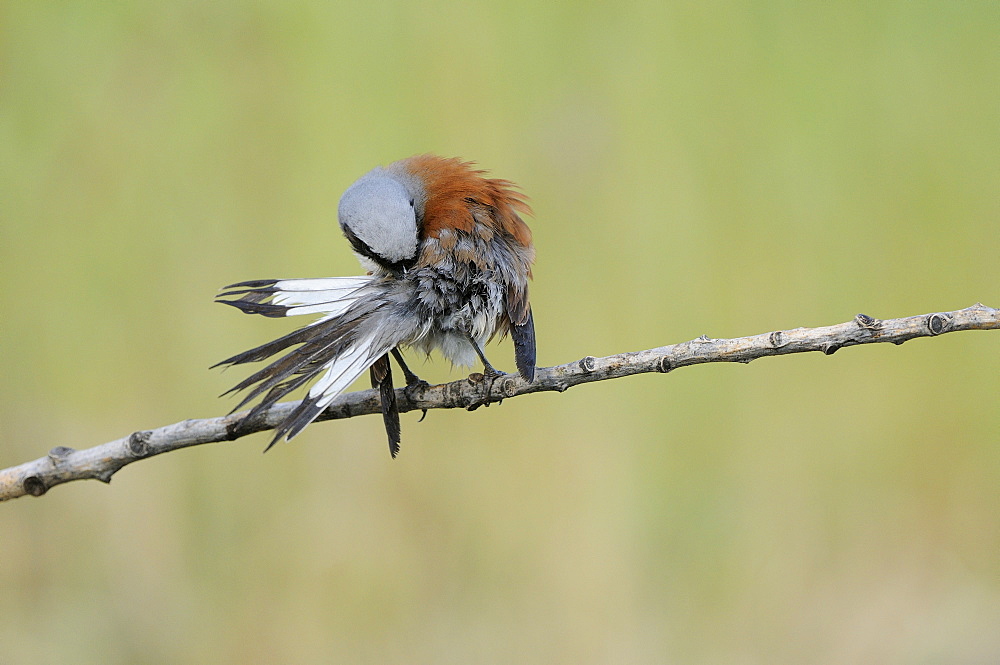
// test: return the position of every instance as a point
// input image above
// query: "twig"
(63, 465)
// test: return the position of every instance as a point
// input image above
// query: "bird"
(447, 257)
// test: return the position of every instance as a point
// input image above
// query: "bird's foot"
(487, 379)
(415, 387)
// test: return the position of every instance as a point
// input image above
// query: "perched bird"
(448, 259)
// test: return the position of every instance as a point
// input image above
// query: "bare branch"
(63, 465)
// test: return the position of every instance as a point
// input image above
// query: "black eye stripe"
(361, 247)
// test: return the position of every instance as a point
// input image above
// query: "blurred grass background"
(720, 168)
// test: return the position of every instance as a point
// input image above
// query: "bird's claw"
(413, 390)
(487, 378)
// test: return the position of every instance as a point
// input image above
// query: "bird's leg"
(489, 371)
(411, 378)
(413, 382)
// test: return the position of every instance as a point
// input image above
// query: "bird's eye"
(411, 203)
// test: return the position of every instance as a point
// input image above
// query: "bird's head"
(380, 215)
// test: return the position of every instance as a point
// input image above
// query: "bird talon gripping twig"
(491, 378)
(487, 380)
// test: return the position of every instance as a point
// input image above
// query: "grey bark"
(101, 462)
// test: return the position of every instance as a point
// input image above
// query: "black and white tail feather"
(359, 327)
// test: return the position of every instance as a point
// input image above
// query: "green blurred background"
(714, 168)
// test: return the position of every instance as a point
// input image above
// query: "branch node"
(138, 444)
(509, 386)
(233, 428)
(665, 364)
(588, 364)
(830, 348)
(866, 322)
(777, 339)
(34, 486)
(938, 323)
(105, 475)
(702, 338)
(59, 454)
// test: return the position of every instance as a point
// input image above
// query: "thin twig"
(63, 465)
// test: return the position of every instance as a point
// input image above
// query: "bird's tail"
(337, 348)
